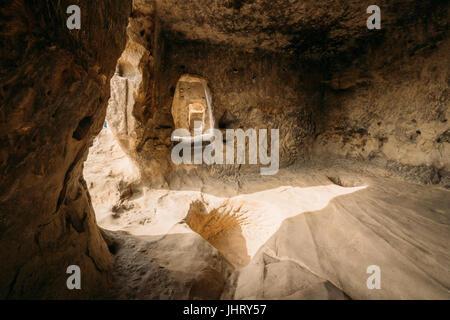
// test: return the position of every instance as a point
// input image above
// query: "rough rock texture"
(133, 91)
(384, 222)
(316, 30)
(309, 232)
(54, 88)
(247, 88)
(177, 265)
(396, 111)
(335, 90)
(312, 69)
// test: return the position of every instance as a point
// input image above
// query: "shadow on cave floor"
(320, 254)
(403, 231)
(177, 265)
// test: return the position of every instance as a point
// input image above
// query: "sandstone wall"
(392, 104)
(332, 87)
(249, 89)
(54, 88)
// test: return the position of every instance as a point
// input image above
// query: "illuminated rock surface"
(364, 150)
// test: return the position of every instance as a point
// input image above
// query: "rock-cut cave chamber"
(363, 150)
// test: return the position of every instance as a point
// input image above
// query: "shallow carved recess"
(192, 103)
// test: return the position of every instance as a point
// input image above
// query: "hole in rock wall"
(112, 179)
(126, 69)
(82, 129)
(192, 105)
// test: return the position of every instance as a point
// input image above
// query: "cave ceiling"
(310, 26)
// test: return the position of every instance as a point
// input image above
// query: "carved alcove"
(191, 107)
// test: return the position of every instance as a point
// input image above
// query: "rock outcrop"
(54, 93)
(315, 71)
(374, 102)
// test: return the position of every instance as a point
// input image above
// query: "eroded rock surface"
(334, 89)
(314, 71)
(54, 93)
(309, 232)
